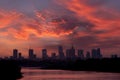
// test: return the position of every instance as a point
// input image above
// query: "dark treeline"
(10, 70)
(101, 65)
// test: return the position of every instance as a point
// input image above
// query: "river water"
(39, 74)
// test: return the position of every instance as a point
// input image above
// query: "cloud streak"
(84, 23)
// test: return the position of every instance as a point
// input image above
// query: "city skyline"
(40, 24)
(69, 53)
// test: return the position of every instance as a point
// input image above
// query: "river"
(39, 74)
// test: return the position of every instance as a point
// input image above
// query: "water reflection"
(38, 74)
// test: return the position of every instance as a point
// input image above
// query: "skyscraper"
(15, 53)
(80, 54)
(53, 56)
(94, 53)
(99, 55)
(70, 53)
(67, 53)
(44, 54)
(20, 56)
(88, 55)
(114, 56)
(60, 52)
(31, 54)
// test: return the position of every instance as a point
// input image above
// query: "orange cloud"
(8, 17)
(104, 18)
(83, 22)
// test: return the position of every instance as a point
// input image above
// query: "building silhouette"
(53, 56)
(70, 53)
(20, 57)
(44, 54)
(60, 52)
(15, 53)
(31, 54)
(99, 55)
(80, 54)
(96, 53)
(114, 56)
(88, 55)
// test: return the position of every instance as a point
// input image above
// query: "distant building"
(114, 56)
(15, 53)
(44, 54)
(34, 56)
(70, 53)
(53, 56)
(31, 54)
(20, 56)
(96, 53)
(88, 55)
(67, 53)
(60, 52)
(99, 55)
(80, 54)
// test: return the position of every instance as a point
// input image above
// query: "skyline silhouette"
(61, 54)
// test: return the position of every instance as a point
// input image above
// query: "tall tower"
(80, 54)
(60, 52)
(31, 54)
(88, 55)
(99, 55)
(94, 53)
(44, 54)
(70, 53)
(15, 53)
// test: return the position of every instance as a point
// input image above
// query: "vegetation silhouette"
(100, 65)
(10, 69)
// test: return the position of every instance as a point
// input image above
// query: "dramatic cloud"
(47, 23)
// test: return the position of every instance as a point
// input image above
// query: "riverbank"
(98, 65)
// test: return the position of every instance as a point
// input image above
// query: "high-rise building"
(99, 55)
(70, 53)
(88, 55)
(67, 53)
(96, 53)
(44, 54)
(20, 56)
(80, 54)
(60, 52)
(53, 56)
(31, 54)
(15, 53)
(114, 56)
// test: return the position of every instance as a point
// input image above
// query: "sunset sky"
(38, 24)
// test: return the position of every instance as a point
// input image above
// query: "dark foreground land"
(99, 65)
(9, 70)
